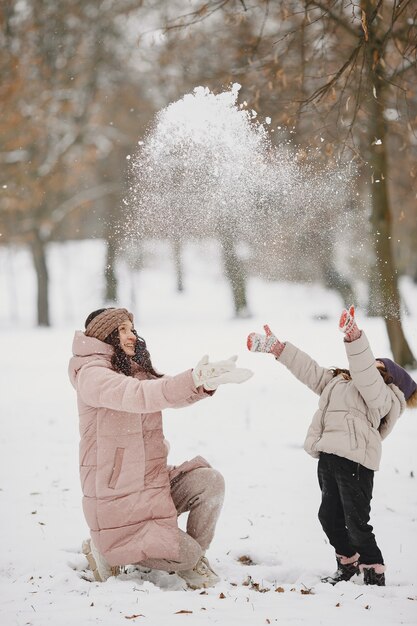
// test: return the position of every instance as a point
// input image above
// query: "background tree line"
(82, 81)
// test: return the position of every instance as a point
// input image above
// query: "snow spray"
(209, 164)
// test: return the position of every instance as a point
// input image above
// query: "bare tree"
(382, 58)
(59, 64)
(335, 69)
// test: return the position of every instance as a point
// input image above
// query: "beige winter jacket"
(353, 415)
(123, 454)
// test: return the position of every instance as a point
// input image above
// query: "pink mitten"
(348, 326)
(265, 343)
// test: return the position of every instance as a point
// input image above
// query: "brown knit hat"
(106, 322)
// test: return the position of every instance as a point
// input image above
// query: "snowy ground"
(253, 434)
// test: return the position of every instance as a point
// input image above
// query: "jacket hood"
(84, 350)
(388, 421)
(400, 377)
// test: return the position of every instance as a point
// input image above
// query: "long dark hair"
(120, 361)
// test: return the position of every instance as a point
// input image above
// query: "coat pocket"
(117, 466)
(352, 433)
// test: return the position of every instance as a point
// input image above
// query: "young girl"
(357, 409)
(131, 496)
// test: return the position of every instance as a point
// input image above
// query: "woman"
(131, 496)
(357, 410)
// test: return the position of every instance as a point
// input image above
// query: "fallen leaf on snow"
(182, 612)
(245, 560)
(257, 587)
(249, 582)
(134, 616)
(280, 589)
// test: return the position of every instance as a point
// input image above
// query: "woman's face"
(127, 338)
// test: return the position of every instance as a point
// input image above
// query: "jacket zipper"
(323, 415)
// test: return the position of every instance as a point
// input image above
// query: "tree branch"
(335, 18)
(321, 91)
(197, 16)
(86, 195)
(46, 227)
(401, 71)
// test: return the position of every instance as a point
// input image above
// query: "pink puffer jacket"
(123, 454)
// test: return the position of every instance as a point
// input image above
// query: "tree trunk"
(37, 246)
(234, 273)
(388, 300)
(110, 274)
(334, 280)
(178, 264)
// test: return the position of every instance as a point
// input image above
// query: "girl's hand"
(265, 343)
(348, 326)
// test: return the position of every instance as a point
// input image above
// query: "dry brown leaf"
(134, 616)
(222, 596)
(307, 592)
(280, 589)
(257, 587)
(182, 612)
(245, 560)
(364, 25)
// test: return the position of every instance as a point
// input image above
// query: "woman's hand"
(211, 375)
(265, 343)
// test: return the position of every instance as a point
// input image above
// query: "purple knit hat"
(400, 377)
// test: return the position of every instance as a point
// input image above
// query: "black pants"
(346, 489)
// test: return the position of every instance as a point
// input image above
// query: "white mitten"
(237, 375)
(205, 370)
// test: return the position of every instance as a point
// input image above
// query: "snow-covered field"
(252, 433)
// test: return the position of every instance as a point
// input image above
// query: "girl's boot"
(374, 574)
(346, 568)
